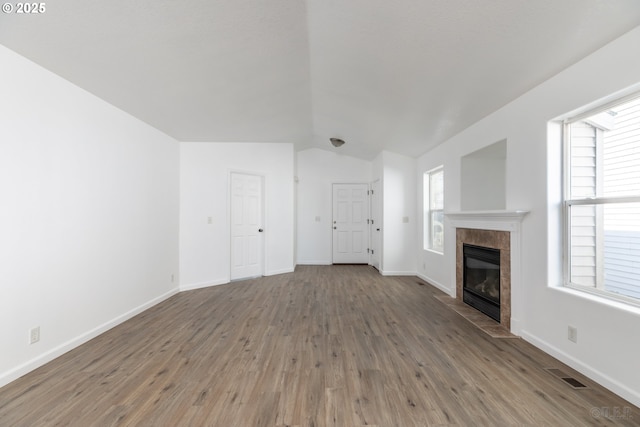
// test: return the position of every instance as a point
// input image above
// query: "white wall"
(89, 216)
(204, 186)
(606, 350)
(317, 171)
(397, 174)
(431, 265)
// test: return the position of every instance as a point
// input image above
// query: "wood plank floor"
(324, 346)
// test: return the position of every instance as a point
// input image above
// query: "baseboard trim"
(225, 280)
(314, 262)
(397, 273)
(276, 272)
(63, 348)
(616, 387)
(193, 286)
(437, 284)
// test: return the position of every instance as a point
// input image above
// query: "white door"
(246, 226)
(350, 229)
(376, 224)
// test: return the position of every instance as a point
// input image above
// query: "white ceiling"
(400, 75)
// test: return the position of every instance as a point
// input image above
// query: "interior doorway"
(376, 224)
(350, 228)
(247, 232)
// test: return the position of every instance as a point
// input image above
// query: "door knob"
(335, 228)
(260, 230)
(377, 229)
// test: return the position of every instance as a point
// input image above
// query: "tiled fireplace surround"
(489, 239)
(497, 230)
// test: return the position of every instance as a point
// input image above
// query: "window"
(434, 210)
(602, 200)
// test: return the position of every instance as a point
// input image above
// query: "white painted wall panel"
(89, 217)
(317, 170)
(204, 193)
(398, 177)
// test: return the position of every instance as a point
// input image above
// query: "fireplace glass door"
(481, 282)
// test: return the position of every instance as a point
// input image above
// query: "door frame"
(263, 211)
(372, 226)
(368, 184)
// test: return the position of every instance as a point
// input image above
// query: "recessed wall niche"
(483, 178)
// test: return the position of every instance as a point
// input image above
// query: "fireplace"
(481, 279)
(498, 243)
(496, 230)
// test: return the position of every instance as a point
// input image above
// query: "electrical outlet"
(572, 334)
(172, 278)
(210, 220)
(34, 335)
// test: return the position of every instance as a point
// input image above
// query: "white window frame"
(568, 202)
(428, 211)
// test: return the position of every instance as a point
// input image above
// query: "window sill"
(628, 307)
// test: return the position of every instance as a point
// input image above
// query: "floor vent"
(566, 378)
(574, 382)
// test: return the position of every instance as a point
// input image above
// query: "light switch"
(405, 219)
(317, 219)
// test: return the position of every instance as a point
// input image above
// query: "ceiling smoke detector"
(336, 142)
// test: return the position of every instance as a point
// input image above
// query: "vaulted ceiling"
(400, 75)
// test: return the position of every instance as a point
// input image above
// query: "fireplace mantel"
(507, 220)
(499, 220)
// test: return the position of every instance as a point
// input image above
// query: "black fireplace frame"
(471, 297)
